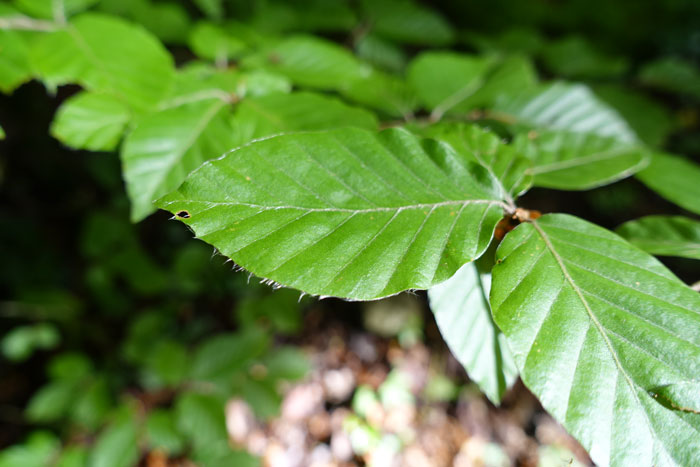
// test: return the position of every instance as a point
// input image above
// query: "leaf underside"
(595, 325)
(346, 213)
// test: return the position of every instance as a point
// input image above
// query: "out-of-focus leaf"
(380, 53)
(595, 325)
(575, 57)
(664, 235)
(51, 402)
(2, 133)
(91, 121)
(673, 75)
(675, 178)
(91, 404)
(262, 396)
(650, 120)
(166, 146)
(382, 91)
(579, 161)
(22, 341)
(106, 54)
(212, 8)
(286, 363)
(200, 417)
(463, 315)
(564, 106)
(162, 433)
(280, 310)
(213, 42)
(221, 356)
(311, 62)
(117, 444)
(49, 9)
(37, 451)
(408, 22)
(15, 65)
(357, 212)
(301, 111)
(73, 456)
(70, 367)
(168, 363)
(444, 80)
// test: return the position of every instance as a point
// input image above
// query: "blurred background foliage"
(127, 344)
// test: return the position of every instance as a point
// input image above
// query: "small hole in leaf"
(183, 214)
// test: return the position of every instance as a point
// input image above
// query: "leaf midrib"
(578, 161)
(599, 327)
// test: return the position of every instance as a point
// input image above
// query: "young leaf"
(485, 148)
(106, 54)
(166, 146)
(463, 315)
(579, 161)
(91, 121)
(408, 22)
(664, 235)
(564, 106)
(301, 111)
(675, 178)
(595, 325)
(346, 213)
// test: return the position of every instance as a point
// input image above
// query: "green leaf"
(165, 146)
(575, 57)
(37, 451)
(579, 161)
(301, 111)
(117, 445)
(222, 356)
(675, 178)
(212, 8)
(408, 22)
(380, 52)
(286, 363)
(361, 215)
(594, 325)
(51, 402)
(649, 119)
(200, 417)
(485, 148)
(22, 341)
(161, 431)
(91, 121)
(52, 9)
(382, 91)
(2, 133)
(15, 66)
(664, 235)
(169, 363)
(106, 54)
(463, 315)
(213, 42)
(311, 62)
(564, 106)
(445, 80)
(672, 75)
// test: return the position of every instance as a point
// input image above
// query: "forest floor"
(395, 401)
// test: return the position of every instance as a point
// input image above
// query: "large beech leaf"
(283, 113)
(166, 146)
(596, 327)
(485, 148)
(579, 161)
(106, 54)
(675, 178)
(347, 213)
(564, 106)
(91, 121)
(463, 315)
(664, 235)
